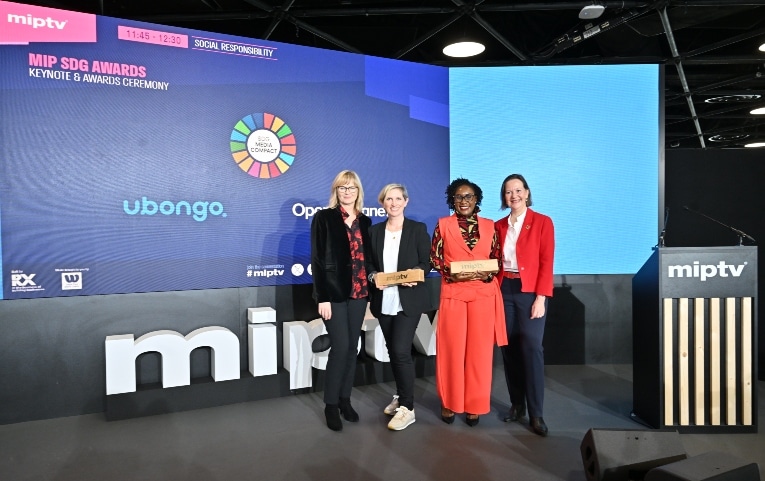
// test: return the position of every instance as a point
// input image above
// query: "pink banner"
(23, 24)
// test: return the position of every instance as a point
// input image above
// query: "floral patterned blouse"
(359, 285)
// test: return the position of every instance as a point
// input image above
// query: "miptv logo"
(36, 22)
(263, 145)
(26, 24)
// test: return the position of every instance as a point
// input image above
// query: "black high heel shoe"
(446, 416)
(472, 419)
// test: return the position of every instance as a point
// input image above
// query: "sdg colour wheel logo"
(263, 145)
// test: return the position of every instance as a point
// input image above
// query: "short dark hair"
(502, 201)
(456, 184)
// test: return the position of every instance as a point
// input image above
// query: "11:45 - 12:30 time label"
(156, 37)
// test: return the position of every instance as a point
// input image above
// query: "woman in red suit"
(527, 241)
(470, 316)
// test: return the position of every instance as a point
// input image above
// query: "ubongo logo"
(263, 145)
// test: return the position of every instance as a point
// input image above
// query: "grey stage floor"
(286, 439)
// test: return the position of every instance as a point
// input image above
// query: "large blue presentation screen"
(142, 158)
(585, 138)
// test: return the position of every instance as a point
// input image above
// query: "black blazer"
(414, 251)
(331, 254)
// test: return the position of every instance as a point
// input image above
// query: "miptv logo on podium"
(263, 145)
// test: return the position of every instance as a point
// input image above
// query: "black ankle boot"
(332, 414)
(347, 410)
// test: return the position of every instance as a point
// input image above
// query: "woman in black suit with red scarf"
(339, 243)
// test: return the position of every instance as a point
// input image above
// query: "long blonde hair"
(345, 177)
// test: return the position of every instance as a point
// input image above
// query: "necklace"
(393, 233)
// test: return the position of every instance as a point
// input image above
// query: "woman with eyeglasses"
(339, 240)
(526, 281)
(470, 316)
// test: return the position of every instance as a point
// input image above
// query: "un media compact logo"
(263, 145)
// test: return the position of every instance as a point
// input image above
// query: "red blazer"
(534, 249)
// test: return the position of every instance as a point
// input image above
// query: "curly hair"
(456, 184)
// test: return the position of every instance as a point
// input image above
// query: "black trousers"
(523, 356)
(344, 329)
(398, 331)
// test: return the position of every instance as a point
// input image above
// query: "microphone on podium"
(741, 234)
(664, 228)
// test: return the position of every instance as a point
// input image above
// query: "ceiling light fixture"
(591, 11)
(733, 98)
(762, 47)
(464, 49)
(760, 111)
(755, 144)
(728, 137)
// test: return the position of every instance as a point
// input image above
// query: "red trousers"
(465, 338)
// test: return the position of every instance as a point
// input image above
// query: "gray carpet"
(286, 438)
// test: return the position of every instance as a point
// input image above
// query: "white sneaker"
(403, 418)
(390, 409)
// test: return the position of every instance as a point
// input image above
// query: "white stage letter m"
(175, 349)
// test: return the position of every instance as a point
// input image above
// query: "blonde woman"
(399, 244)
(339, 237)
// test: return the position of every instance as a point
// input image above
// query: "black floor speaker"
(626, 455)
(711, 466)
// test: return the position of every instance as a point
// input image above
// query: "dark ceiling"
(713, 76)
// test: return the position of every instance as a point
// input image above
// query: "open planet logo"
(263, 145)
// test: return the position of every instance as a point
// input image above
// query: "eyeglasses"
(467, 197)
(343, 189)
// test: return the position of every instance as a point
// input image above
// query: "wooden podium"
(694, 339)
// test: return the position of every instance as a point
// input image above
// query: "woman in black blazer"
(339, 239)
(397, 245)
